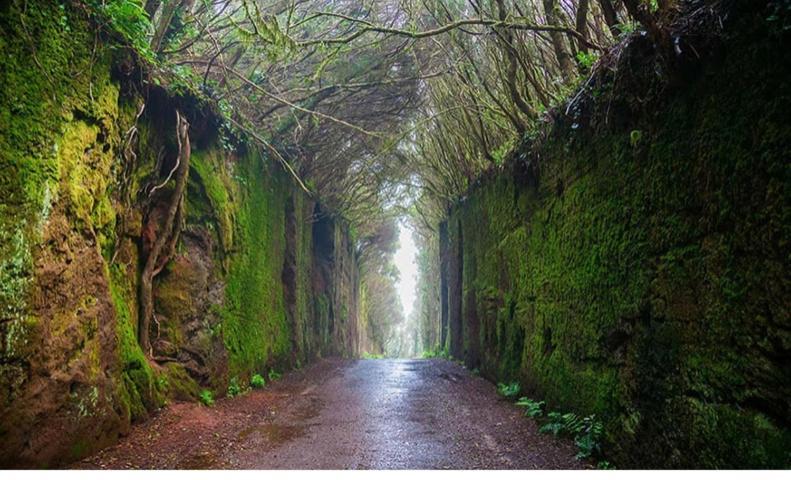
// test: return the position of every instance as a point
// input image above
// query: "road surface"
(347, 414)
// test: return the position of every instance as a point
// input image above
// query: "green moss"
(39, 86)
(215, 184)
(645, 283)
(138, 388)
(178, 384)
(255, 328)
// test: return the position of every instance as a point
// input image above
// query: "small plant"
(533, 408)
(634, 138)
(432, 354)
(274, 375)
(509, 390)
(258, 381)
(234, 388)
(554, 424)
(626, 29)
(206, 398)
(588, 438)
(586, 431)
(586, 60)
(605, 465)
(162, 383)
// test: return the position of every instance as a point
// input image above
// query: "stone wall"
(631, 261)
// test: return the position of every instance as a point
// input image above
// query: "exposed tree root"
(164, 241)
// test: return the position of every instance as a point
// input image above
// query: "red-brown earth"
(342, 414)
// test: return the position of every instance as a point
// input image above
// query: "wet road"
(342, 414)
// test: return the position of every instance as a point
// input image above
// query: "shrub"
(258, 381)
(206, 398)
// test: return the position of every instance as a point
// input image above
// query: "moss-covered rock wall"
(632, 260)
(250, 287)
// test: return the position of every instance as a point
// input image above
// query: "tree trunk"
(506, 36)
(582, 23)
(558, 44)
(166, 22)
(151, 8)
(610, 17)
(640, 13)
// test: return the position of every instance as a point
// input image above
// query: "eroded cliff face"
(261, 277)
(632, 261)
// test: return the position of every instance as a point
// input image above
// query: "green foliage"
(435, 353)
(634, 138)
(500, 153)
(372, 356)
(206, 398)
(586, 431)
(128, 18)
(234, 388)
(532, 408)
(274, 376)
(257, 381)
(556, 423)
(653, 5)
(605, 465)
(588, 439)
(509, 390)
(266, 28)
(587, 59)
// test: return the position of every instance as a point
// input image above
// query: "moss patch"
(255, 328)
(644, 281)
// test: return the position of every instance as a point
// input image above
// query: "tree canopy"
(381, 108)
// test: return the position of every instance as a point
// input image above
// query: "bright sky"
(407, 266)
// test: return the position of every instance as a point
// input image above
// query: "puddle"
(311, 409)
(274, 434)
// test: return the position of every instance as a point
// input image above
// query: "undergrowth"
(206, 398)
(436, 353)
(257, 381)
(509, 390)
(586, 431)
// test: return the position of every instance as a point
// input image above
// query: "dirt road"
(341, 414)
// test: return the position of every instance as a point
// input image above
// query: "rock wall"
(261, 277)
(631, 261)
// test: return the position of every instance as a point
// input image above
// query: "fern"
(509, 390)
(588, 438)
(586, 431)
(533, 408)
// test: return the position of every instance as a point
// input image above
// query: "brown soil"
(341, 414)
